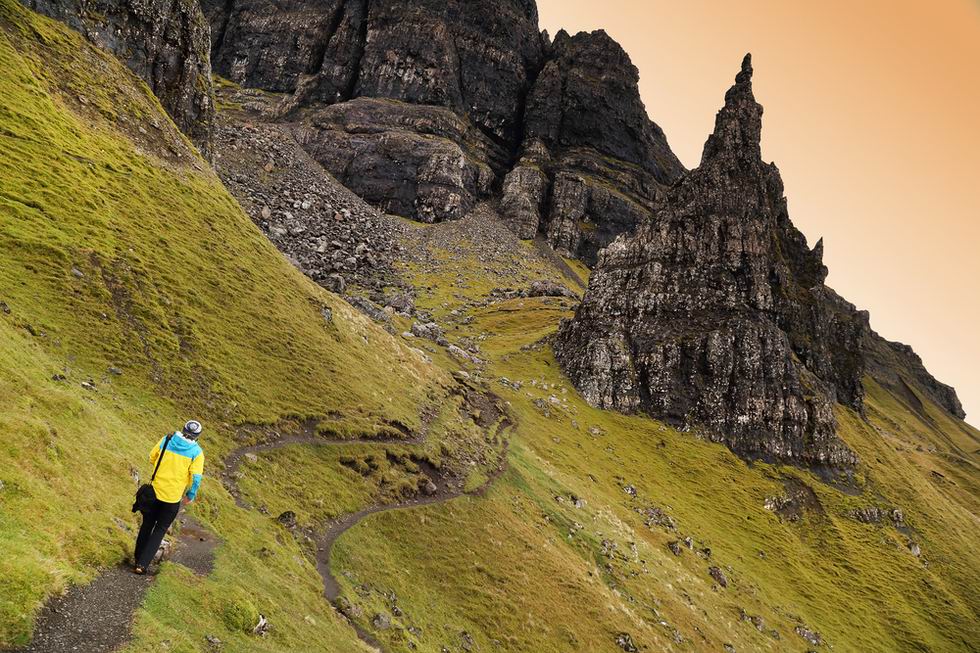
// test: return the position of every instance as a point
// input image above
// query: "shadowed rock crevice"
(320, 47)
(221, 10)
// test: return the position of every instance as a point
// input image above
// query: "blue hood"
(182, 446)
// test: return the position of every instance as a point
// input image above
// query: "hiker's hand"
(187, 500)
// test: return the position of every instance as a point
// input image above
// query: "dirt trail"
(98, 617)
(325, 541)
(331, 587)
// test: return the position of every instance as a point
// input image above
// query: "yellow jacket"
(181, 469)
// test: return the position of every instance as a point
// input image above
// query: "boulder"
(545, 288)
(287, 519)
(718, 575)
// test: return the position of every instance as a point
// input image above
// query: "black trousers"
(156, 521)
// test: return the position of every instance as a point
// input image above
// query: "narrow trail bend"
(447, 491)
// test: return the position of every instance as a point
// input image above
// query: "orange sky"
(873, 117)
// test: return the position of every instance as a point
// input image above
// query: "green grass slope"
(528, 569)
(126, 266)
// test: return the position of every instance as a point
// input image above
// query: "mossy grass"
(126, 266)
(506, 550)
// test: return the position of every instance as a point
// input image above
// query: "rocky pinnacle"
(714, 314)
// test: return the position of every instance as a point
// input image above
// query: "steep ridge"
(715, 313)
(165, 43)
(592, 164)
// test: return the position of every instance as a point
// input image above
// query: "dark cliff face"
(592, 165)
(474, 57)
(422, 107)
(164, 43)
(588, 96)
(416, 106)
(715, 313)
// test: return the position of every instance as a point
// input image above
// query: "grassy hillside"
(527, 569)
(126, 267)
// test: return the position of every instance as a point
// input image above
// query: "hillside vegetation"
(136, 293)
(530, 568)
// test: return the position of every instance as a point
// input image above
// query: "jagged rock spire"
(738, 125)
(714, 313)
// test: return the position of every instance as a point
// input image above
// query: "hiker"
(178, 462)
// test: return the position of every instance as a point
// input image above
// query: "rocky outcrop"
(428, 127)
(897, 367)
(419, 161)
(476, 58)
(715, 313)
(592, 164)
(421, 126)
(165, 43)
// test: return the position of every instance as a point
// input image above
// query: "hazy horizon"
(870, 114)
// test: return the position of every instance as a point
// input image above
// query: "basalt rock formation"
(416, 106)
(166, 43)
(483, 105)
(592, 164)
(715, 313)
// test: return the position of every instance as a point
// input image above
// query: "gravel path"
(98, 617)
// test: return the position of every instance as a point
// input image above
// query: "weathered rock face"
(897, 367)
(412, 160)
(588, 135)
(474, 57)
(428, 96)
(427, 127)
(715, 312)
(588, 96)
(271, 45)
(164, 43)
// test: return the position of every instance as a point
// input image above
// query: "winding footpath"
(98, 617)
(446, 491)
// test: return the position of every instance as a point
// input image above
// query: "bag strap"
(160, 459)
